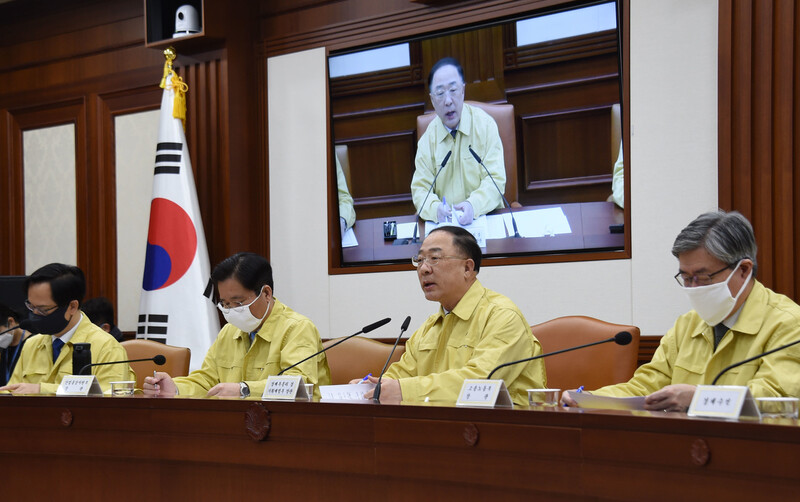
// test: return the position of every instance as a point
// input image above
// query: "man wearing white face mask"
(734, 317)
(10, 343)
(263, 336)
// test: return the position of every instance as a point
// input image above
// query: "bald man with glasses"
(474, 330)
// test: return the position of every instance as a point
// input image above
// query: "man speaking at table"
(734, 317)
(474, 330)
(463, 185)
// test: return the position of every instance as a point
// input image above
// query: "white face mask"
(714, 303)
(242, 318)
(5, 340)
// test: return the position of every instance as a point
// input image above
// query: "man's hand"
(342, 225)
(225, 390)
(390, 391)
(566, 399)
(676, 397)
(467, 213)
(22, 388)
(160, 385)
(443, 213)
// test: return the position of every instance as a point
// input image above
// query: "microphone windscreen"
(159, 360)
(376, 325)
(623, 338)
(26, 324)
(477, 159)
(405, 324)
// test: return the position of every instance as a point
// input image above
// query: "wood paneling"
(91, 54)
(759, 128)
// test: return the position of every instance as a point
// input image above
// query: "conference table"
(589, 223)
(111, 448)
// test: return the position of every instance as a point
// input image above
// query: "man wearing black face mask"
(54, 295)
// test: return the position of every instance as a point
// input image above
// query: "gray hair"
(727, 237)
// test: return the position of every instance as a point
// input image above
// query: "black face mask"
(48, 324)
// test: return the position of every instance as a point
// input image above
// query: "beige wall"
(674, 158)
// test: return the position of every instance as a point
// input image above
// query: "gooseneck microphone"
(510, 211)
(159, 360)
(621, 338)
(376, 395)
(753, 359)
(433, 184)
(365, 329)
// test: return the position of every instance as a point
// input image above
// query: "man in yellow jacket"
(263, 336)
(734, 317)
(474, 330)
(54, 295)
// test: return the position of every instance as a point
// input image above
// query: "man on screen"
(734, 317)
(474, 331)
(463, 185)
(55, 293)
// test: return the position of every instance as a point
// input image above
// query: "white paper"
(349, 239)
(406, 230)
(477, 228)
(496, 228)
(539, 222)
(586, 400)
(350, 393)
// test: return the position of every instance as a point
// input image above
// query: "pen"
(366, 377)
(579, 389)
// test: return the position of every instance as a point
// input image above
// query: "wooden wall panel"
(759, 117)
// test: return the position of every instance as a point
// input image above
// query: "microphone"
(376, 395)
(753, 359)
(433, 184)
(81, 357)
(621, 338)
(510, 211)
(159, 360)
(365, 329)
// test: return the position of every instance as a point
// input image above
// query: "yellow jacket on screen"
(285, 338)
(686, 353)
(462, 177)
(483, 331)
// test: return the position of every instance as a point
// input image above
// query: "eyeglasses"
(39, 309)
(419, 260)
(226, 307)
(453, 90)
(687, 280)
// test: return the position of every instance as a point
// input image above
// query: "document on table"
(539, 222)
(349, 238)
(586, 400)
(477, 228)
(350, 393)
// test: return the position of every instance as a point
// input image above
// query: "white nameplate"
(285, 388)
(723, 401)
(79, 385)
(484, 394)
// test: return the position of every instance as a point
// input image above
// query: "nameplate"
(723, 401)
(484, 394)
(285, 388)
(79, 385)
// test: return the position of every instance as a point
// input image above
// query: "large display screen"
(551, 82)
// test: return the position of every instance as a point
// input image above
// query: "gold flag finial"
(169, 53)
(177, 85)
